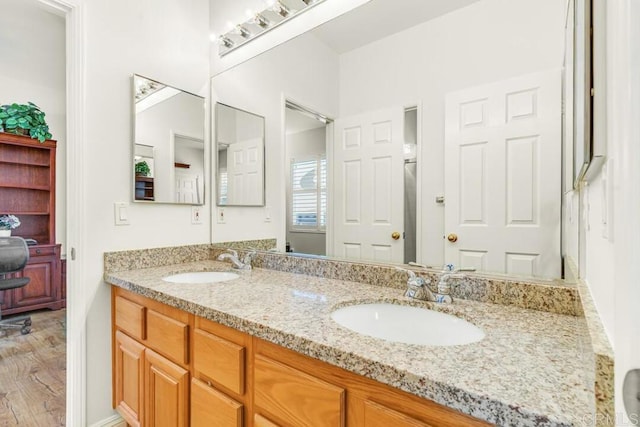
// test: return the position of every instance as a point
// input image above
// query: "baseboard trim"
(113, 421)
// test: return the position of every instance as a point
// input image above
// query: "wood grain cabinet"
(220, 366)
(28, 190)
(151, 371)
(173, 369)
(166, 392)
(43, 290)
(295, 397)
(129, 396)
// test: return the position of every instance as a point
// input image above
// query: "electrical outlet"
(196, 215)
(121, 213)
(220, 215)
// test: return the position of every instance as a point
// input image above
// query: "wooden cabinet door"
(166, 392)
(210, 407)
(5, 299)
(40, 289)
(43, 289)
(129, 380)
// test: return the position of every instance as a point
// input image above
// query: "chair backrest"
(14, 254)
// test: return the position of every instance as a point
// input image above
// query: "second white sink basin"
(201, 277)
(409, 325)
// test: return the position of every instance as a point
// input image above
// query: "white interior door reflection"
(188, 170)
(240, 155)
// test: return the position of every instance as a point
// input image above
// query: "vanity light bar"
(243, 31)
(226, 42)
(261, 22)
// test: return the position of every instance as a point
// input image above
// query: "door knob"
(395, 235)
(452, 238)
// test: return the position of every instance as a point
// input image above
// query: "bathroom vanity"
(262, 350)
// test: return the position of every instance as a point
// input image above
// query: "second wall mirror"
(240, 157)
(168, 149)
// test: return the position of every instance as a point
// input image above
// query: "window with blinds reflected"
(309, 194)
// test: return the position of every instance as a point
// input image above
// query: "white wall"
(167, 41)
(304, 145)
(32, 48)
(612, 267)
(465, 48)
(303, 70)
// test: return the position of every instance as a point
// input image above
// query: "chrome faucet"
(233, 257)
(417, 287)
(443, 292)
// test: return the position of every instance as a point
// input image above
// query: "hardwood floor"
(33, 373)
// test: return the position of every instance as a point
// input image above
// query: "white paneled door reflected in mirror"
(240, 157)
(447, 126)
(168, 148)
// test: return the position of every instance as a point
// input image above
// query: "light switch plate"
(221, 216)
(267, 214)
(196, 215)
(121, 213)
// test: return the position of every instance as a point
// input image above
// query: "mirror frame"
(582, 89)
(134, 143)
(217, 160)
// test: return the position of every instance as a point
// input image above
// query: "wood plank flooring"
(33, 373)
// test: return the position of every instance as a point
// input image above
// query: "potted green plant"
(7, 223)
(24, 119)
(142, 169)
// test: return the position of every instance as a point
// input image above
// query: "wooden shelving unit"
(144, 188)
(28, 191)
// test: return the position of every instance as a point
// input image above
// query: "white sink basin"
(409, 325)
(201, 277)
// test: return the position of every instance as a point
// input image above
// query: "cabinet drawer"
(42, 250)
(130, 317)
(376, 415)
(296, 397)
(210, 407)
(219, 360)
(260, 421)
(168, 336)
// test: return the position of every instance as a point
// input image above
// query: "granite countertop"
(527, 371)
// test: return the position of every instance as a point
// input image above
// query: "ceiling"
(381, 18)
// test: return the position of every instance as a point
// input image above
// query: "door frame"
(76, 330)
(304, 108)
(420, 153)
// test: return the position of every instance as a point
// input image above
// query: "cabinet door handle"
(38, 251)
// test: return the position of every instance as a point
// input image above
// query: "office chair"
(14, 255)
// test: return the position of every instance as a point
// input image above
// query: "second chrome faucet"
(418, 288)
(233, 257)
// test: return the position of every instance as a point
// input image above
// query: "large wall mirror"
(240, 157)
(434, 137)
(168, 144)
